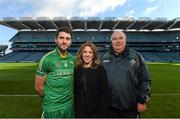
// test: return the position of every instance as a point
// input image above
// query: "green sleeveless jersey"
(58, 87)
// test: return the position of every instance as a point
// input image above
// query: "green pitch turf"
(19, 100)
(18, 97)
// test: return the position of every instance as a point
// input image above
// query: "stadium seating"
(30, 46)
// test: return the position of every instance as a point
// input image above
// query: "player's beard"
(63, 48)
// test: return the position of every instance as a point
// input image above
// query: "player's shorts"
(66, 112)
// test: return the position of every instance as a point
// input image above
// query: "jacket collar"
(125, 52)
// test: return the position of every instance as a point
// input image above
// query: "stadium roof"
(92, 23)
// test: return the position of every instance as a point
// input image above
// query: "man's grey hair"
(120, 32)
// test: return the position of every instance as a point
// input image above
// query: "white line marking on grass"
(18, 95)
(175, 64)
(8, 75)
(166, 75)
(157, 63)
(166, 94)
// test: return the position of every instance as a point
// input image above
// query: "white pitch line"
(8, 75)
(165, 94)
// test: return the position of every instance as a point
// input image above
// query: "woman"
(90, 84)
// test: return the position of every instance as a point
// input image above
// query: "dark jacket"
(129, 80)
(90, 91)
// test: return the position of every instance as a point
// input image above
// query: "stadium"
(158, 40)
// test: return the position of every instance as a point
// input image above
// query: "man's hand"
(141, 107)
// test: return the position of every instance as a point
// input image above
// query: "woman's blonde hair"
(95, 59)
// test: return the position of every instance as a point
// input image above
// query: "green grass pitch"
(18, 98)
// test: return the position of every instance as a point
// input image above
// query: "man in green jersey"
(54, 77)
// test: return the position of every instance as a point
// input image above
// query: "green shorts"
(65, 112)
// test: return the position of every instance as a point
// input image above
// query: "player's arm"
(39, 84)
(41, 74)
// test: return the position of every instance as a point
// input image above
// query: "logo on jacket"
(106, 61)
(58, 64)
(132, 62)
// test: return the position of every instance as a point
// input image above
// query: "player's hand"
(141, 107)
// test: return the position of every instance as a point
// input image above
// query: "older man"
(129, 80)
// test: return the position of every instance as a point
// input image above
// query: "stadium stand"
(158, 40)
(3, 49)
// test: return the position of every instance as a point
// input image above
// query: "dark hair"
(64, 29)
(95, 54)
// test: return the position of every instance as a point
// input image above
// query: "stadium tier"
(3, 48)
(157, 40)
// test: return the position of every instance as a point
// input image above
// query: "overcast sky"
(85, 8)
